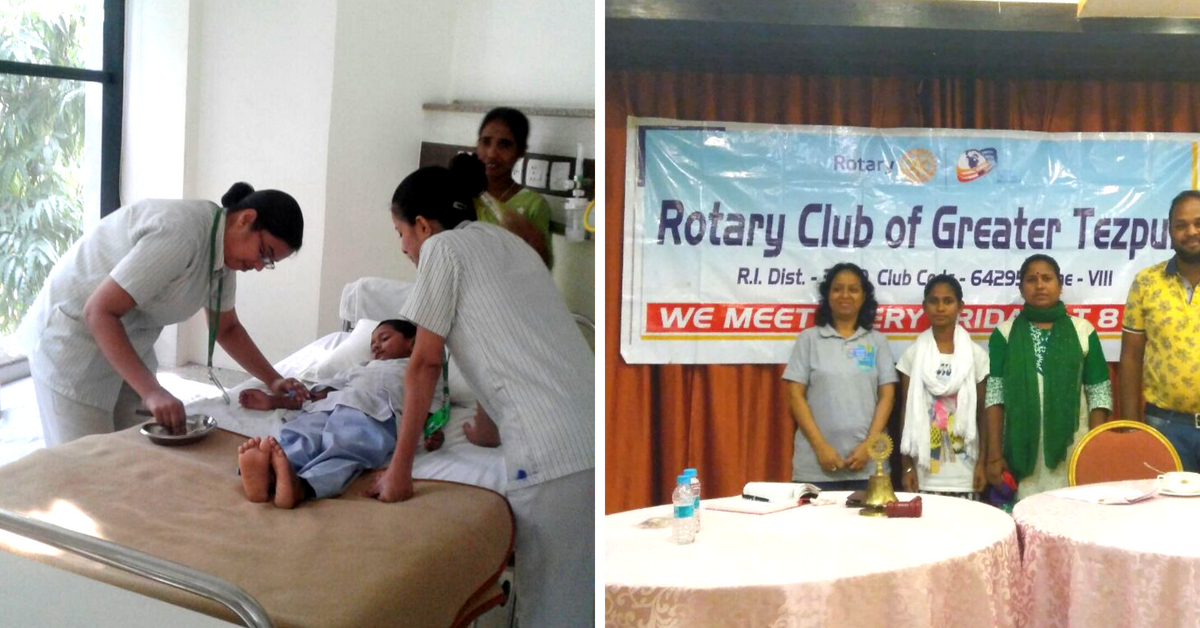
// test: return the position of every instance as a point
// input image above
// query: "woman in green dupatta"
(1047, 375)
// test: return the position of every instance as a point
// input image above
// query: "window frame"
(111, 77)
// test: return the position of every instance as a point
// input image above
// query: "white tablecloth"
(1129, 566)
(958, 565)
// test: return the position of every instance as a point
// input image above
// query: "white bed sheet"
(457, 460)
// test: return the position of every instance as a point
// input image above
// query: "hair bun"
(468, 175)
(236, 193)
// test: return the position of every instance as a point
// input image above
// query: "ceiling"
(923, 37)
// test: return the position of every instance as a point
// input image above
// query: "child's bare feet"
(255, 466)
(256, 400)
(288, 491)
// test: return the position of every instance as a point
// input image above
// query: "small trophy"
(879, 485)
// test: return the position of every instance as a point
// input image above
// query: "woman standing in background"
(503, 138)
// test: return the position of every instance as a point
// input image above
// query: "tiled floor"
(21, 429)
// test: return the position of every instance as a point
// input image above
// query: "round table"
(1130, 565)
(957, 565)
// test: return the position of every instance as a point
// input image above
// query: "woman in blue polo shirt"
(841, 380)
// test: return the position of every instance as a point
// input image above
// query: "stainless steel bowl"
(198, 426)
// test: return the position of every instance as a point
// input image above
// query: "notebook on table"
(762, 498)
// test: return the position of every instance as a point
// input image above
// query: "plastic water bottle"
(684, 531)
(695, 484)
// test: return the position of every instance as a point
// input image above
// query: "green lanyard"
(438, 420)
(214, 313)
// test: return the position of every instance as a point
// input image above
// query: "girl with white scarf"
(941, 381)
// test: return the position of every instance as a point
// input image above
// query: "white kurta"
(376, 389)
(159, 252)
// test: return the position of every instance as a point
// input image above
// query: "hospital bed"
(435, 560)
(365, 302)
(350, 561)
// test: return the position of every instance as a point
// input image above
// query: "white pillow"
(460, 391)
(373, 297)
(304, 362)
(351, 352)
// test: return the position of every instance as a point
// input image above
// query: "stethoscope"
(214, 311)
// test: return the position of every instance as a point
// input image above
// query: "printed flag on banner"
(730, 227)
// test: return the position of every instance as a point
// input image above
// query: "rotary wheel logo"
(918, 165)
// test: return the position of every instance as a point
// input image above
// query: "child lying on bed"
(348, 427)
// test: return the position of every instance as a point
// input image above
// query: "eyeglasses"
(267, 262)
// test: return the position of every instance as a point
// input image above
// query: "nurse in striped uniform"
(486, 295)
(90, 334)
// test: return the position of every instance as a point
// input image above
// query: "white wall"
(156, 64)
(437, 52)
(156, 68)
(259, 95)
(527, 52)
(388, 62)
(323, 99)
(532, 52)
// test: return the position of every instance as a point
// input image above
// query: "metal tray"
(198, 426)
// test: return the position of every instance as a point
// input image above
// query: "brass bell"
(879, 485)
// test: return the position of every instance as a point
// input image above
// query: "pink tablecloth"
(956, 566)
(1126, 566)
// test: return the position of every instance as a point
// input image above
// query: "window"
(61, 76)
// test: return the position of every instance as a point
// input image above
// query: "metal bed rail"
(230, 595)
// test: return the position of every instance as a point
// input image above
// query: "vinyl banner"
(730, 227)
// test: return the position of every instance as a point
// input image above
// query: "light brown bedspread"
(349, 561)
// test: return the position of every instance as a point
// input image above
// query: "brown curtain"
(732, 422)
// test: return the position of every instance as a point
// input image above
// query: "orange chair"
(1121, 450)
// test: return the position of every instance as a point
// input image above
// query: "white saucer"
(1175, 494)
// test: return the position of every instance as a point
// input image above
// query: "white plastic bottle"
(684, 528)
(695, 484)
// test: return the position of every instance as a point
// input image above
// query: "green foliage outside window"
(41, 152)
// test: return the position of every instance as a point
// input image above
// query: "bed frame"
(231, 596)
(189, 538)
